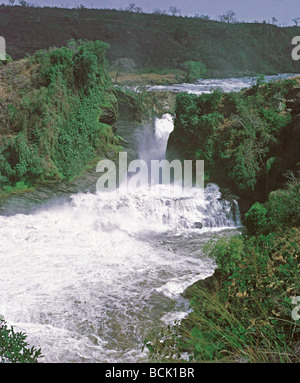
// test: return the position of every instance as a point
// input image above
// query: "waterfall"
(152, 139)
(89, 278)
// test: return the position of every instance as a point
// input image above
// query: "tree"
(133, 8)
(124, 65)
(158, 12)
(256, 219)
(130, 7)
(174, 10)
(202, 17)
(193, 70)
(228, 17)
(274, 21)
(296, 20)
(11, 2)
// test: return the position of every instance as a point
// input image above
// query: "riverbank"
(133, 110)
(252, 136)
(115, 248)
(166, 77)
(127, 257)
(58, 110)
(246, 312)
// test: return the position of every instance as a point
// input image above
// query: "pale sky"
(246, 10)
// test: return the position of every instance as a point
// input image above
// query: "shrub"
(244, 135)
(14, 348)
(227, 253)
(281, 211)
(284, 207)
(58, 120)
(193, 70)
(246, 317)
(256, 219)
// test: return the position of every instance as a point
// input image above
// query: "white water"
(226, 85)
(152, 143)
(87, 280)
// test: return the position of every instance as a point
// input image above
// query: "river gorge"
(89, 275)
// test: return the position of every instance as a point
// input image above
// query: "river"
(225, 84)
(88, 277)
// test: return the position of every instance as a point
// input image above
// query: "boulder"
(198, 225)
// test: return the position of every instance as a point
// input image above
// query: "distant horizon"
(278, 12)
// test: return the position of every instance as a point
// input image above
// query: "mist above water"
(88, 279)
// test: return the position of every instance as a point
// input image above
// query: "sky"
(246, 10)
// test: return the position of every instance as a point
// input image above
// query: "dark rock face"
(208, 285)
(198, 225)
(293, 103)
(108, 115)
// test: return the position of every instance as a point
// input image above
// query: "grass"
(244, 312)
(157, 77)
(18, 188)
(243, 316)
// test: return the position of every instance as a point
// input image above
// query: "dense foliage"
(245, 314)
(193, 70)
(60, 119)
(14, 348)
(281, 210)
(245, 135)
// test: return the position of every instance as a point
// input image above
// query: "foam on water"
(226, 85)
(153, 139)
(80, 280)
(88, 279)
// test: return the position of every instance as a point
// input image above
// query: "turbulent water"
(89, 278)
(226, 85)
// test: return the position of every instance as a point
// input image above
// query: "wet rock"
(108, 115)
(208, 285)
(198, 225)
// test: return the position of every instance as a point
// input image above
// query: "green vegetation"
(244, 312)
(57, 109)
(14, 348)
(19, 187)
(248, 136)
(154, 40)
(193, 70)
(57, 114)
(8, 59)
(281, 209)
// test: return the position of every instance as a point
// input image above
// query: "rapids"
(89, 277)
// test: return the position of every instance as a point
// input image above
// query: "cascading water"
(226, 85)
(152, 141)
(87, 280)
